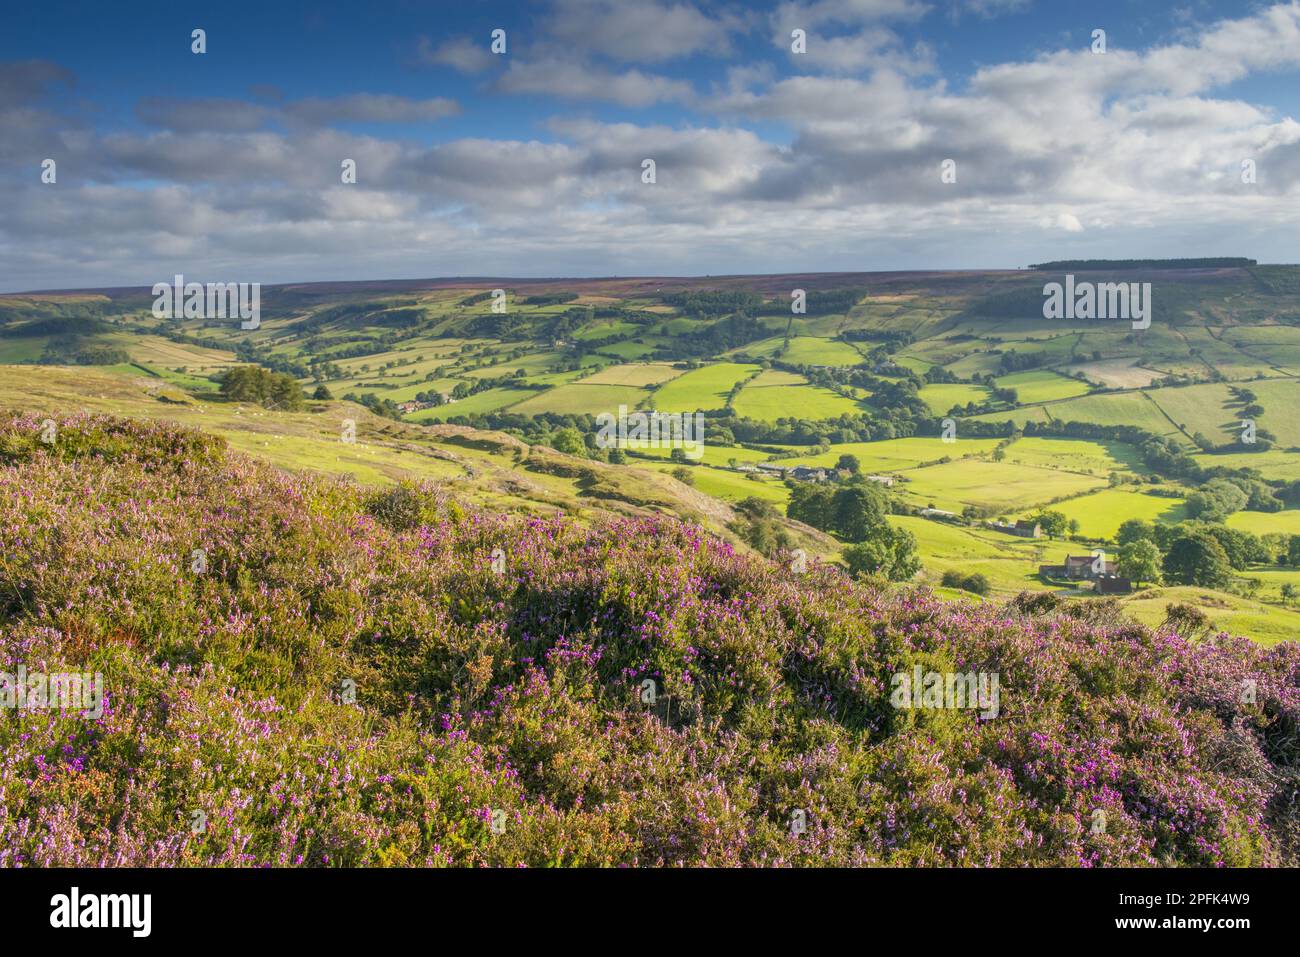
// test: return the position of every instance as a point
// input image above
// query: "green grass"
(701, 389)
(731, 486)
(487, 401)
(634, 374)
(1267, 624)
(1113, 408)
(778, 395)
(1263, 523)
(892, 455)
(717, 455)
(1010, 564)
(1273, 464)
(806, 350)
(577, 399)
(1042, 385)
(941, 397)
(1076, 455)
(997, 485)
(1100, 514)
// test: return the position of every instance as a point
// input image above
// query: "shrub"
(363, 678)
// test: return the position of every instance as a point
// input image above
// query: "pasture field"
(1018, 417)
(1272, 464)
(22, 349)
(579, 398)
(892, 455)
(1009, 563)
(806, 350)
(1272, 579)
(1200, 408)
(731, 486)
(1265, 623)
(777, 395)
(1100, 514)
(702, 389)
(633, 374)
(537, 363)
(1264, 523)
(941, 397)
(1041, 385)
(716, 455)
(1280, 399)
(1113, 408)
(629, 349)
(1075, 455)
(992, 485)
(489, 400)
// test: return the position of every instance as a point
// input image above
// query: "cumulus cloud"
(461, 53)
(784, 164)
(642, 32)
(570, 80)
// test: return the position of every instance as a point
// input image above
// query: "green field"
(992, 484)
(1115, 408)
(1100, 514)
(1272, 464)
(891, 455)
(1076, 455)
(579, 398)
(778, 395)
(487, 401)
(806, 350)
(1041, 385)
(642, 347)
(633, 374)
(1264, 523)
(703, 388)
(941, 397)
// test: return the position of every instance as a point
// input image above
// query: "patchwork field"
(647, 345)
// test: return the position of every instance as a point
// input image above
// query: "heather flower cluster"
(351, 678)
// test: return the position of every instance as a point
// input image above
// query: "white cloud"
(1120, 154)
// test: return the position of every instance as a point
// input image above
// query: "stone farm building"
(1021, 528)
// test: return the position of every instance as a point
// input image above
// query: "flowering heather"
(347, 680)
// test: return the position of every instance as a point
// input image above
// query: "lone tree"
(1140, 560)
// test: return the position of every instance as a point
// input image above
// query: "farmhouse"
(415, 405)
(938, 513)
(805, 474)
(882, 479)
(1081, 567)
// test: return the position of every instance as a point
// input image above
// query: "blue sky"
(225, 165)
